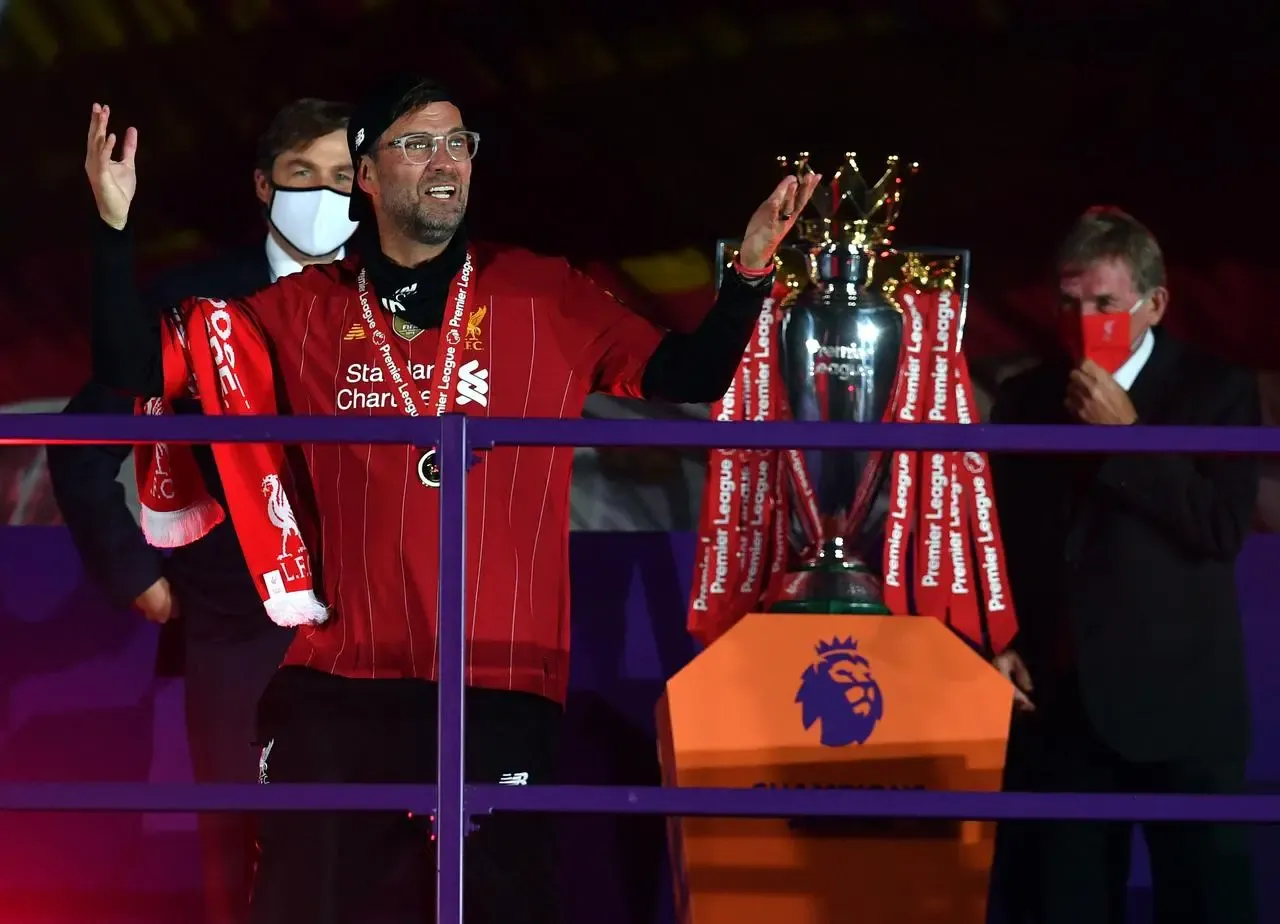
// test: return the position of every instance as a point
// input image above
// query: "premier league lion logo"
(839, 691)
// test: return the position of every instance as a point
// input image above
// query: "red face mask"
(1107, 339)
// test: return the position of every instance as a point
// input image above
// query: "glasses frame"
(401, 142)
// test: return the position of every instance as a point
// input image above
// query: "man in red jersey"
(523, 336)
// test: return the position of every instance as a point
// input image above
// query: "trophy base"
(832, 587)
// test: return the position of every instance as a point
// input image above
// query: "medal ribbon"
(442, 397)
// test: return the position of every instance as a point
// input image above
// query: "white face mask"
(313, 221)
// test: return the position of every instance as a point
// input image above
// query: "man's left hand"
(774, 219)
(1094, 397)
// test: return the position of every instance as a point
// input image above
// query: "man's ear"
(262, 187)
(1158, 302)
(367, 176)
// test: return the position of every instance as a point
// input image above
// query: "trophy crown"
(848, 208)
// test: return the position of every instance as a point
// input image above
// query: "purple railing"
(456, 437)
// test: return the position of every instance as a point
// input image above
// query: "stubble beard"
(429, 222)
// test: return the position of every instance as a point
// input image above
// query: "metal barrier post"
(451, 821)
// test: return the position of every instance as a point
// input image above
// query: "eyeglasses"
(420, 147)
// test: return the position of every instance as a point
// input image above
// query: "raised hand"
(114, 181)
(774, 219)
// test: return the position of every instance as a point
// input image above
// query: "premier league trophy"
(849, 696)
(840, 346)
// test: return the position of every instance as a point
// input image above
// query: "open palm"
(774, 219)
(114, 181)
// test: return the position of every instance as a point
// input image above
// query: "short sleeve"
(614, 343)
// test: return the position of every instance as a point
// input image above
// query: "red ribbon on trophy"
(742, 538)
(941, 526)
(943, 499)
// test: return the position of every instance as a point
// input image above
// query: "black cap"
(375, 113)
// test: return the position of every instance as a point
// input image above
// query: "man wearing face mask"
(214, 630)
(1129, 661)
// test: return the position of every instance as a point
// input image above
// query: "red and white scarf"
(217, 352)
(942, 501)
(213, 351)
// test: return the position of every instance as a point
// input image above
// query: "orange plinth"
(877, 702)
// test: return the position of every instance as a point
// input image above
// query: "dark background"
(614, 129)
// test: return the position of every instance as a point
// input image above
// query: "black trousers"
(225, 675)
(1076, 872)
(331, 868)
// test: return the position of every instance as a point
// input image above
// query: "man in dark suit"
(215, 630)
(1129, 660)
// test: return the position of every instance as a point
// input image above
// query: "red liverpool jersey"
(539, 337)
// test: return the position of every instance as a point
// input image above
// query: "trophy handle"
(727, 248)
(965, 258)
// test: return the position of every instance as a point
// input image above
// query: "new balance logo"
(514, 779)
(473, 384)
(356, 332)
(395, 304)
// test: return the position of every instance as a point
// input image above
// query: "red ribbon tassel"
(933, 566)
(992, 565)
(740, 550)
(942, 504)
(904, 466)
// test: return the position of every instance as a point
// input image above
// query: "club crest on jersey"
(403, 329)
(475, 332)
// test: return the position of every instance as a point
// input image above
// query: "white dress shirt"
(281, 263)
(1127, 374)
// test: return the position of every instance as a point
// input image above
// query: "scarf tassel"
(296, 608)
(173, 529)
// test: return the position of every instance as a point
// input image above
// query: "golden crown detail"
(847, 209)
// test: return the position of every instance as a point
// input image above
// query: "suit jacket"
(1123, 567)
(210, 578)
